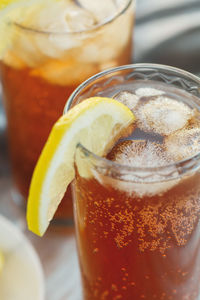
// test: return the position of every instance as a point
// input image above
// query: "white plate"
(22, 276)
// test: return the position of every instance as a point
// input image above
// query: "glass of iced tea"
(137, 209)
(58, 45)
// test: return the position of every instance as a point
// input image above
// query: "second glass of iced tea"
(137, 210)
(58, 45)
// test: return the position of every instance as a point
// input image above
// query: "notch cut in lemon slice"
(94, 123)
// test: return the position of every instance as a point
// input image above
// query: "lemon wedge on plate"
(94, 123)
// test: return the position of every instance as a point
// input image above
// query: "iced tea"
(58, 45)
(137, 211)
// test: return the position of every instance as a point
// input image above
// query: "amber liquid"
(32, 106)
(134, 248)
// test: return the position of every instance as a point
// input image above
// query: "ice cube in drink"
(137, 216)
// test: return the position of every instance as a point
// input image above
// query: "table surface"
(57, 249)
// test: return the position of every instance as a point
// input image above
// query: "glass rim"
(182, 164)
(96, 27)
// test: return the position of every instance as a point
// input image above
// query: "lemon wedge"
(94, 123)
(1, 261)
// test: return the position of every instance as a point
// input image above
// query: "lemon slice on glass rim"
(94, 123)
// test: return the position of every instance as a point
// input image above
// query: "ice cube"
(57, 72)
(103, 46)
(148, 91)
(127, 98)
(65, 17)
(141, 180)
(121, 3)
(140, 153)
(79, 19)
(163, 115)
(183, 143)
(102, 10)
(35, 48)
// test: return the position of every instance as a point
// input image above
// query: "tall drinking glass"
(55, 48)
(137, 209)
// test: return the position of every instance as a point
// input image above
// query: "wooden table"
(57, 249)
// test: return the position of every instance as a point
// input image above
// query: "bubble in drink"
(163, 115)
(127, 98)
